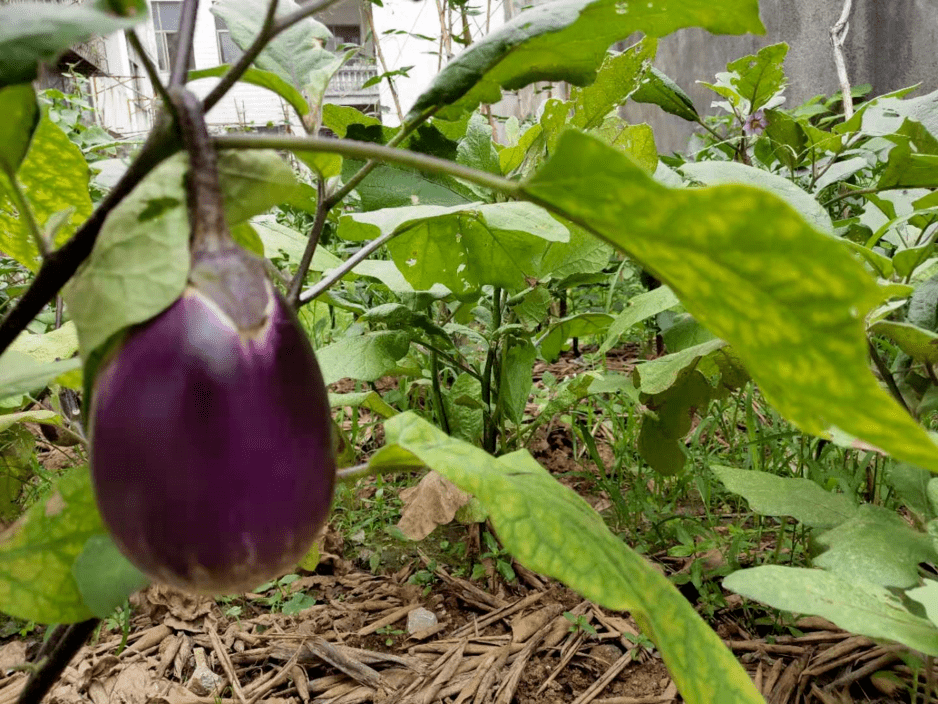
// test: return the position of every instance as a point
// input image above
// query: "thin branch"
(186, 31)
(336, 274)
(848, 194)
(52, 663)
(149, 67)
(838, 35)
(369, 16)
(62, 263)
(322, 214)
(887, 377)
(367, 150)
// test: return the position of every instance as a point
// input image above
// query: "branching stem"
(184, 47)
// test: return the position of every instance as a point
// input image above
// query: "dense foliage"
(796, 251)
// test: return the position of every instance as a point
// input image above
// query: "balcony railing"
(347, 82)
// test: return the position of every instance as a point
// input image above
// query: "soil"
(530, 642)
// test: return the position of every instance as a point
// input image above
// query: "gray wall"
(891, 44)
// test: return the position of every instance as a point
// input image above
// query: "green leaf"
(567, 41)
(53, 178)
(757, 78)
(911, 485)
(104, 577)
(295, 55)
(366, 357)
(8, 420)
(907, 170)
(802, 499)
(921, 345)
(788, 142)
(393, 187)
(583, 254)
(338, 118)
(369, 400)
(662, 451)
(463, 403)
(658, 89)
(476, 148)
(510, 158)
(854, 605)
(21, 374)
(641, 307)
(876, 546)
(140, 261)
(462, 247)
(516, 379)
(581, 325)
(60, 343)
(37, 33)
(716, 173)
(20, 116)
(265, 79)
(397, 316)
(37, 553)
(660, 374)
(790, 300)
(618, 77)
(927, 596)
(321, 163)
(552, 531)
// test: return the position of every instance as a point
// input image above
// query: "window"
(344, 34)
(228, 51)
(166, 24)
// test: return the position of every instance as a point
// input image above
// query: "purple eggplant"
(211, 447)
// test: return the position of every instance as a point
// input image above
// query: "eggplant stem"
(203, 191)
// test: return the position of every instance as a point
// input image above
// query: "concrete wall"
(891, 44)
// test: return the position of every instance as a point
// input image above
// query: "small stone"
(607, 653)
(204, 682)
(420, 619)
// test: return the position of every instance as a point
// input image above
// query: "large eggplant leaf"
(854, 605)
(265, 79)
(21, 110)
(790, 300)
(463, 247)
(37, 553)
(53, 178)
(566, 40)
(551, 530)
(802, 499)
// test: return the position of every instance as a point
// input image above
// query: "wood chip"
(391, 618)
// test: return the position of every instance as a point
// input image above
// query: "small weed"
(579, 624)
(390, 632)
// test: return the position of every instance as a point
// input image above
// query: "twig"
(56, 660)
(184, 47)
(838, 36)
(887, 376)
(369, 16)
(322, 213)
(336, 274)
(148, 66)
(367, 150)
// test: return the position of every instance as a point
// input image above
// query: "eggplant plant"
(467, 236)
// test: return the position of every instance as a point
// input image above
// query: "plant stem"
(488, 435)
(336, 274)
(887, 377)
(184, 48)
(438, 392)
(366, 150)
(848, 194)
(838, 36)
(26, 211)
(148, 66)
(206, 215)
(369, 17)
(55, 659)
(322, 213)
(62, 263)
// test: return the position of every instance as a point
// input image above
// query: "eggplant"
(210, 431)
